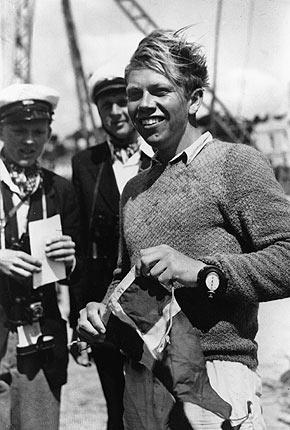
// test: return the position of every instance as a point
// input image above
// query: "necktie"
(123, 154)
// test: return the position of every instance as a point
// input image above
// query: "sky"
(253, 57)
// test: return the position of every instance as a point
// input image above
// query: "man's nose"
(29, 139)
(116, 109)
(147, 101)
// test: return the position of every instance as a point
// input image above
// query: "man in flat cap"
(33, 339)
(99, 175)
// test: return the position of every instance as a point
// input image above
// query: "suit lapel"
(108, 189)
(145, 162)
(52, 206)
(11, 229)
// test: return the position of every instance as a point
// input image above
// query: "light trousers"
(26, 401)
(148, 405)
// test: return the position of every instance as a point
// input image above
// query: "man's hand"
(167, 265)
(80, 351)
(61, 248)
(90, 326)
(18, 264)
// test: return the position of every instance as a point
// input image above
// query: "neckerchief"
(28, 179)
(123, 154)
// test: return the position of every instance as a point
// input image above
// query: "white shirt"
(194, 149)
(124, 171)
(22, 212)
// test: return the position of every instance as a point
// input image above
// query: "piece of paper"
(40, 232)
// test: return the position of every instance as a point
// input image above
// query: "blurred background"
(60, 43)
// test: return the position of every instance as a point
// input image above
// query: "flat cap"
(98, 85)
(20, 102)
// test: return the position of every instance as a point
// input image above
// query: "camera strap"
(5, 218)
(91, 220)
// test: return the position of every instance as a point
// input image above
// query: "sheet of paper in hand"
(39, 232)
(148, 325)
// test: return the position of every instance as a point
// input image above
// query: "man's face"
(157, 109)
(24, 140)
(113, 111)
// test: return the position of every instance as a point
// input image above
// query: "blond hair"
(167, 52)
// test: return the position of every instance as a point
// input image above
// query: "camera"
(26, 311)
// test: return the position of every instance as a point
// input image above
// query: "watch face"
(212, 281)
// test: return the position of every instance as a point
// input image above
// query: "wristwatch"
(211, 278)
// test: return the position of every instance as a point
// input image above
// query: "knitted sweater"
(224, 208)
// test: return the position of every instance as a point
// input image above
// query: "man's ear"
(195, 101)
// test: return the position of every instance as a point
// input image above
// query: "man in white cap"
(33, 340)
(99, 175)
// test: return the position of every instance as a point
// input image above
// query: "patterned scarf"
(28, 179)
(123, 154)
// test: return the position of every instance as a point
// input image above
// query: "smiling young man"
(99, 175)
(207, 219)
(33, 339)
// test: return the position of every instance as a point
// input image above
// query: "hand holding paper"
(60, 249)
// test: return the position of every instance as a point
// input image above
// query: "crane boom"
(137, 15)
(226, 121)
(85, 108)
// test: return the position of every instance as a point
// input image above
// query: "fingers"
(90, 325)
(166, 278)
(29, 259)
(158, 269)
(17, 272)
(61, 248)
(59, 241)
(152, 261)
(95, 312)
(24, 265)
(148, 258)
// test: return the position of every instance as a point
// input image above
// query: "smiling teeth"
(150, 121)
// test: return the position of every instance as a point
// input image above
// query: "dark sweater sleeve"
(259, 215)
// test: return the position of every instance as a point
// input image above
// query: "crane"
(16, 40)
(23, 38)
(85, 109)
(222, 117)
(137, 15)
(16, 31)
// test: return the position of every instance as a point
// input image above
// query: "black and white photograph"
(144, 215)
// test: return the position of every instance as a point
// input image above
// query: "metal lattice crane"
(137, 15)
(223, 118)
(16, 28)
(87, 121)
(23, 39)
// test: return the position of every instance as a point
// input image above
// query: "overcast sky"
(253, 62)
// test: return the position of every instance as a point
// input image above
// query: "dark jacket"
(101, 240)
(60, 199)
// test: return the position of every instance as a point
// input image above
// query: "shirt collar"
(6, 178)
(134, 159)
(193, 150)
(146, 149)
